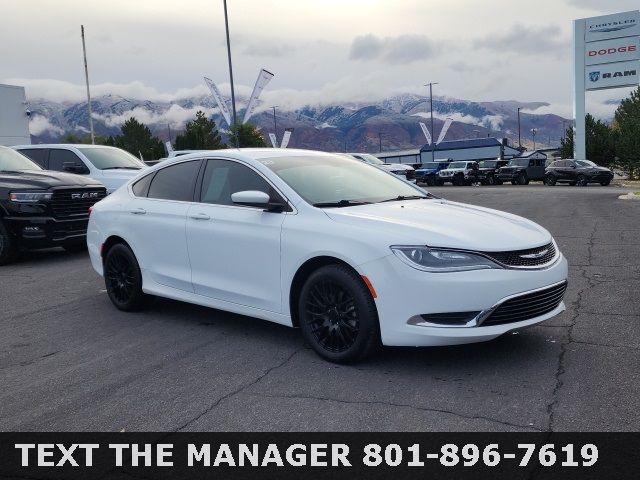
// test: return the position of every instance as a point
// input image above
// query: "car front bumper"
(404, 294)
(45, 232)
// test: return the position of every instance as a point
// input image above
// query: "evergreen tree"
(200, 134)
(137, 139)
(246, 135)
(599, 142)
(85, 139)
(627, 134)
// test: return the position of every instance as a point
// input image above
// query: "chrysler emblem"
(539, 254)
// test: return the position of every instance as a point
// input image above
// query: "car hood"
(396, 166)
(440, 223)
(45, 179)
(453, 170)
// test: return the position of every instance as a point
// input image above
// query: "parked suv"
(108, 165)
(40, 209)
(488, 170)
(520, 171)
(428, 173)
(459, 173)
(577, 172)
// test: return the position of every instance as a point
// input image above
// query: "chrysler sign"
(621, 74)
(616, 50)
(619, 25)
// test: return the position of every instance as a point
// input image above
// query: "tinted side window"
(38, 155)
(176, 182)
(141, 187)
(223, 178)
(57, 159)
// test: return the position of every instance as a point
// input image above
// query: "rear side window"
(141, 187)
(176, 182)
(57, 159)
(38, 155)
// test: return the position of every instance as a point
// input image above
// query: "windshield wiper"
(340, 204)
(406, 197)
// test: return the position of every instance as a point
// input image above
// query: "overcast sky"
(320, 50)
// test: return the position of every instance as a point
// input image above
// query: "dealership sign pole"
(606, 54)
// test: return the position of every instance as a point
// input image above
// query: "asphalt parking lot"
(70, 361)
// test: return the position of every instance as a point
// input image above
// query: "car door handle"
(200, 216)
(138, 211)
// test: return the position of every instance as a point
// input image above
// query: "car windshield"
(458, 165)
(336, 181)
(518, 163)
(586, 163)
(488, 164)
(370, 158)
(107, 158)
(430, 165)
(12, 161)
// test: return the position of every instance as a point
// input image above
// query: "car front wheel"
(338, 315)
(581, 181)
(123, 279)
(522, 179)
(605, 183)
(550, 180)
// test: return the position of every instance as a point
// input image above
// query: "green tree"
(599, 142)
(137, 139)
(85, 139)
(627, 134)
(246, 135)
(200, 134)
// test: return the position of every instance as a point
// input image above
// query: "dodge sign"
(609, 51)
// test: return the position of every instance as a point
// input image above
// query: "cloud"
(492, 122)
(39, 125)
(599, 5)
(521, 39)
(402, 49)
(175, 115)
(62, 91)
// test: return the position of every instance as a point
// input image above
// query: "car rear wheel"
(123, 279)
(581, 181)
(338, 315)
(491, 180)
(605, 183)
(8, 248)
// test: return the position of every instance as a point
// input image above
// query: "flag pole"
(86, 77)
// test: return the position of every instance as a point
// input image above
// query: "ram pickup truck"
(41, 209)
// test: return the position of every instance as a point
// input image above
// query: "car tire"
(491, 180)
(338, 316)
(522, 179)
(605, 183)
(581, 181)
(8, 247)
(430, 181)
(123, 279)
(550, 180)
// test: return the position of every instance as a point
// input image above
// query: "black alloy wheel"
(491, 180)
(8, 247)
(123, 279)
(338, 316)
(581, 181)
(522, 179)
(550, 180)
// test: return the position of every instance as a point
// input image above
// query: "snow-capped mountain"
(392, 122)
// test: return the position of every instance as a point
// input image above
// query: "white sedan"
(350, 254)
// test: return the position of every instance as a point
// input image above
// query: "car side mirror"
(73, 167)
(573, 166)
(255, 198)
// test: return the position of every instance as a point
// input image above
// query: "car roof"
(62, 145)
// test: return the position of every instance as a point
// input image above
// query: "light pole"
(519, 137)
(275, 122)
(380, 139)
(533, 133)
(86, 77)
(433, 134)
(233, 93)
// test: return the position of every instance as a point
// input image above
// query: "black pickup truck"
(40, 208)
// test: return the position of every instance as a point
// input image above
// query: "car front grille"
(75, 202)
(527, 306)
(531, 258)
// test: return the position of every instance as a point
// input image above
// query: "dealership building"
(467, 149)
(14, 116)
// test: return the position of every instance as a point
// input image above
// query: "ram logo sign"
(621, 74)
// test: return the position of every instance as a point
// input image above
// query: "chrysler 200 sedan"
(350, 254)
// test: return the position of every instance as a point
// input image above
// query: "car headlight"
(30, 197)
(442, 260)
